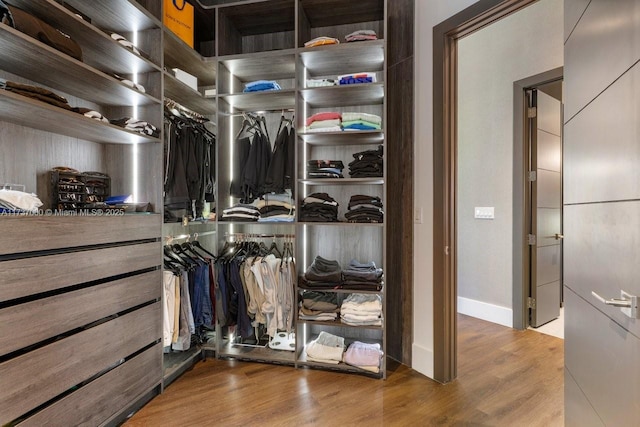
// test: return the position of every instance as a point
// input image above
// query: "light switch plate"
(484, 212)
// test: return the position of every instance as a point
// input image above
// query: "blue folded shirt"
(261, 85)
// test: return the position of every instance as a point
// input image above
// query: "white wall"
(521, 45)
(428, 13)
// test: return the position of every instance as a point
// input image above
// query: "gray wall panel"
(548, 265)
(549, 151)
(549, 189)
(573, 10)
(596, 352)
(601, 146)
(548, 226)
(601, 253)
(578, 411)
(549, 116)
(601, 48)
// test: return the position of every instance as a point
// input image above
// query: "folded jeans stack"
(367, 164)
(361, 35)
(327, 348)
(325, 168)
(362, 310)
(321, 41)
(319, 207)
(320, 306)
(361, 121)
(322, 274)
(362, 276)
(324, 122)
(241, 212)
(261, 86)
(364, 356)
(276, 208)
(365, 209)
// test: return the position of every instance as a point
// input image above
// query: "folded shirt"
(321, 82)
(126, 43)
(130, 83)
(320, 41)
(363, 355)
(321, 130)
(329, 115)
(358, 78)
(261, 85)
(361, 33)
(324, 124)
(92, 114)
(371, 118)
(360, 125)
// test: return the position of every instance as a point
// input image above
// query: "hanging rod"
(261, 236)
(244, 113)
(188, 237)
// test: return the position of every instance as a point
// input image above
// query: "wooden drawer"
(40, 233)
(26, 324)
(34, 378)
(28, 276)
(105, 397)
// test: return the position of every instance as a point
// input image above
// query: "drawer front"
(105, 397)
(41, 233)
(28, 276)
(34, 378)
(20, 328)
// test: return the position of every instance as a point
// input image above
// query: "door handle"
(559, 236)
(627, 302)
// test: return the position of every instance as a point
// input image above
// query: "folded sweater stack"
(322, 274)
(320, 306)
(325, 168)
(361, 35)
(362, 276)
(327, 348)
(364, 356)
(367, 164)
(365, 209)
(361, 121)
(362, 310)
(135, 125)
(276, 208)
(319, 207)
(241, 212)
(324, 122)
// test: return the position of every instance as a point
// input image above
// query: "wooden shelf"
(177, 54)
(187, 96)
(363, 137)
(342, 291)
(345, 95)
(39, 115)
(98, 48)
(64, 73)
(116, 15)
(342, 224)
(326, 13)
(258, 354)
(177, 362)
(257, 101)
(356, 57)
(343, 181)
(273, 65)
(338, 323)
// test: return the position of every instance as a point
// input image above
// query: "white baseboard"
(422, 360)
(485, 311)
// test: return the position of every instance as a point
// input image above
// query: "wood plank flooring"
(505, 378)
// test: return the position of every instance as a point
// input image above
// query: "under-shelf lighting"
(135, 149)
(231, 144)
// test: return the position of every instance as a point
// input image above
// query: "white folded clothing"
(352, 116)
(360, 318)
(320, 130)
(25, 201)
(324, 352)
(357, 312)
(321, 82)
(367, 323)
(324, 317)
(313, 359)
(362, 33)
(324, 124)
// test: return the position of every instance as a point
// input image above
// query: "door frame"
(521, 194)
(445, 87)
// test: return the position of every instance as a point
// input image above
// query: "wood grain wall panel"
(36, 377)
(105, 397)
(65, 312)
(340, 31)
(400, 27)
(270, 41)
(229, 38)
(399, 210)
(29, 276)
(26, 233)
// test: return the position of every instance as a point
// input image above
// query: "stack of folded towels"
(361, 121)
(364, 356)
(261, 86)
(275, 208)
(362, 310)
(319, 207)
(324, 122)
(361, 35)
(367, 164)
(241, 212)
(362, 276)
(321, 41)
(322, 274)
(327, 348)
(325, 168)
(365, 209)
(320, 306)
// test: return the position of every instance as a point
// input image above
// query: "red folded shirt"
(323, 116)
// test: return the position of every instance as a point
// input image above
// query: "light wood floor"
(505, 378)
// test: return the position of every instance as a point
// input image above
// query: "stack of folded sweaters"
(367, 164)
(361, 35)
(324, 122)
(136, 125)
(362, 310)
(319, 207)
(325, 168)
(322, 274)
(241, 212)
(319, 306)
(365, 209)
(364, 356)
(276, 208)
(327, 348)
(362, 276)
(361, 121)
